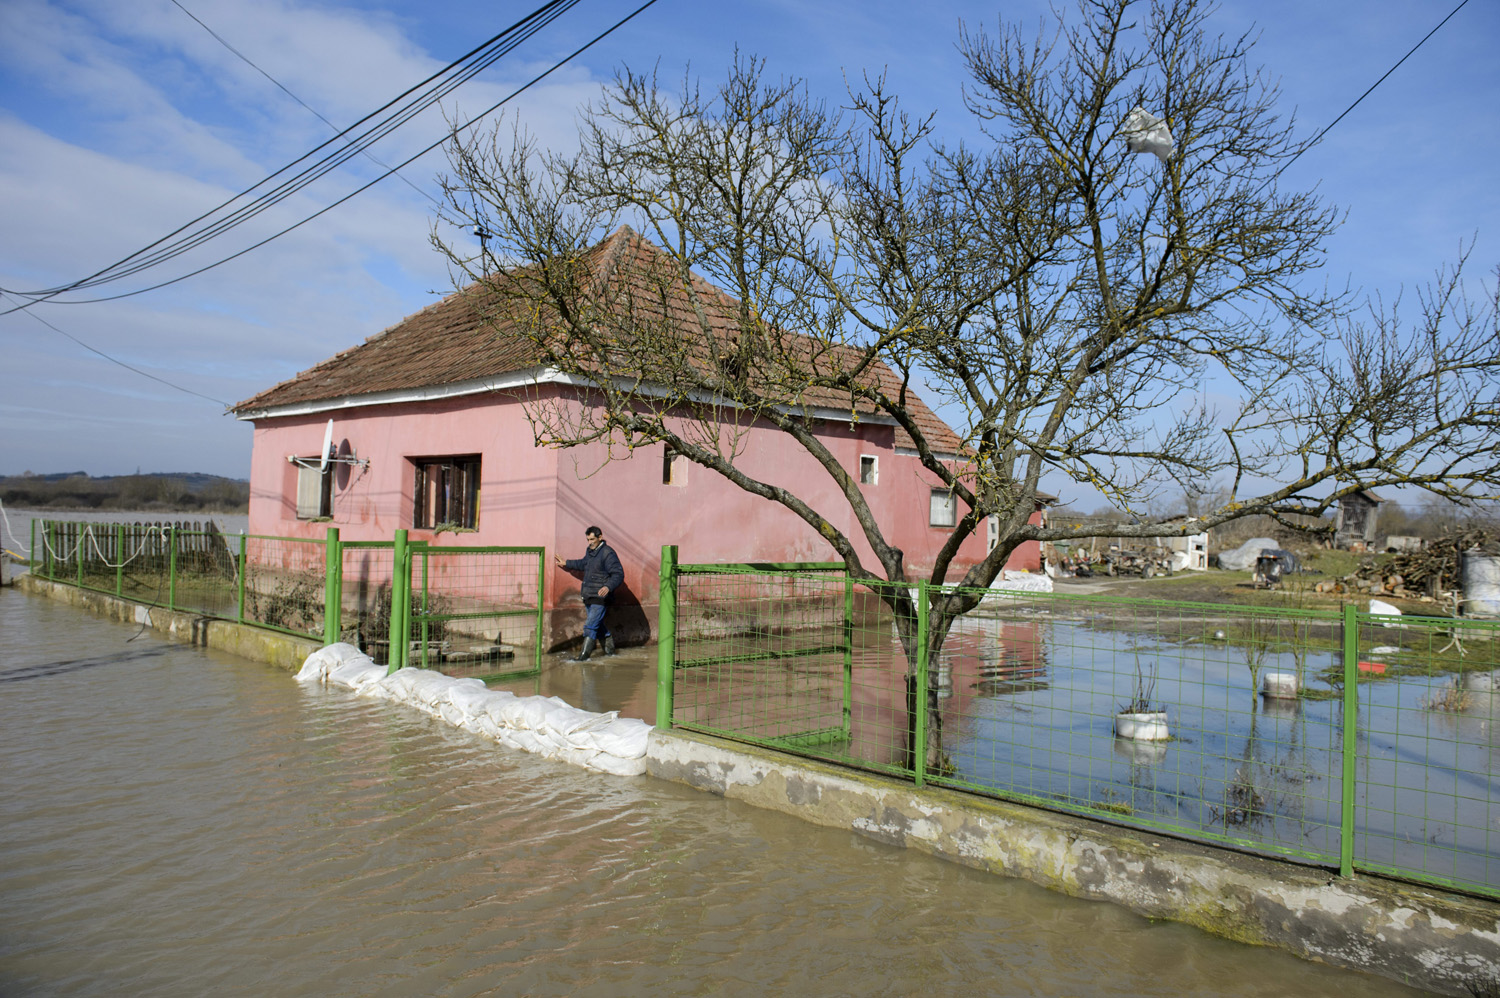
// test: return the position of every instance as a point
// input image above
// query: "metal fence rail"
(1343, 740)
(467, 610)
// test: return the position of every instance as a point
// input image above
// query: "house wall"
(534, 496)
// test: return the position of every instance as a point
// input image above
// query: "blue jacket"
(600, 567)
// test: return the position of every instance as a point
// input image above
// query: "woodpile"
(1429, 575)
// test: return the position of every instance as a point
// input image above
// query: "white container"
(1151, 727)
(1281, 685)
(1481, 581)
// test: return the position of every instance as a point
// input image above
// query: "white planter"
(1150, 727)
(1281, 685)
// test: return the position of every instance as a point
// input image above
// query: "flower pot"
(1281, 685)
(1147, 727)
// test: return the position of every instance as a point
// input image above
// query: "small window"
(869, 469)
(673, 468)
(992, 523)
(447, 492)
(944, 509)
(314, 491)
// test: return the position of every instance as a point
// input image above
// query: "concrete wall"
(284, 651)
(1427, 939)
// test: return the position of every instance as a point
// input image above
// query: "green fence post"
(919, 727)
(541, 587)
(31, 551)
(1351, 724)
(244, 565)
(400, 603)
(333, 589)
(171, 568)
(666, 635)
(78, 553)
(426, 624)
(119, 559)
(848, 656)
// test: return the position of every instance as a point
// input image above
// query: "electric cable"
(280, 86)
(113, 360)
(359, 190)
(187, 237)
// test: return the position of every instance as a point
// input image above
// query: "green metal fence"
(1346, 740)
(465, 610)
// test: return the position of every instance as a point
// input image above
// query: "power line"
(185, 237)
(277, 83)
(1319, 137)
(359, 190)
(113, 360)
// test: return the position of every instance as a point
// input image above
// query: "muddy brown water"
(180, 822)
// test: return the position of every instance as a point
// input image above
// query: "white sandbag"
(451, 714)
(430, 688)
(614, 765)
(526, 740)
(470, 700)
(624, 738)
(512, 713)
(1382, 607)
(482, 725)
(563, 720)
(356, 673)
(577, 756)
(400, 684)
(315, 667)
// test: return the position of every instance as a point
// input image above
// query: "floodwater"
(181, 822)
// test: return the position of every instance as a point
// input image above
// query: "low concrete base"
(285, 651)
(1423, 938)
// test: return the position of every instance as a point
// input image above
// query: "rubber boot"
(587, 650)
(609, 645)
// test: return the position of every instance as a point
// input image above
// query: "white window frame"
(314, 491)
(873, 477)
(942, 509)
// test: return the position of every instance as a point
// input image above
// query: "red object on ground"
(1378, 668)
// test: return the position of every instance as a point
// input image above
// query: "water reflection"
(188, 824)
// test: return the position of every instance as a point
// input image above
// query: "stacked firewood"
(1432, 574)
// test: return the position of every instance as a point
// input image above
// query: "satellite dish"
(327, 445)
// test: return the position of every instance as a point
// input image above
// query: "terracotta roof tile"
(453, 342)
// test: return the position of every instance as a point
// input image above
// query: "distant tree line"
(178, 492)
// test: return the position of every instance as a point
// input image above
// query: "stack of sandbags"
(547, 726)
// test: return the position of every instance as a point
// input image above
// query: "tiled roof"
(454, 342)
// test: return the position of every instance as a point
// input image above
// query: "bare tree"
(1069, 297)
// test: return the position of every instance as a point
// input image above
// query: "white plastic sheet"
(548, 726)
(1145, 132)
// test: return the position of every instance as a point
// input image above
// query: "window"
(869, 469)
(447, 492)
(314, 491)
(943, 511)
(673, 468)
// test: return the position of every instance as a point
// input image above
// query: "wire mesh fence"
(1342, 740)
(476, 611)
(1427, 756)
(285, 583)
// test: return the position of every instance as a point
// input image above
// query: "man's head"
(594, 536)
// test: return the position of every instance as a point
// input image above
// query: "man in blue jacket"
(602, 575)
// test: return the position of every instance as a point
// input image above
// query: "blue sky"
(119, 122)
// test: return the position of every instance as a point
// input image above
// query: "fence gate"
(475, 611)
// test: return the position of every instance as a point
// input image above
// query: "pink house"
(434, 411)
